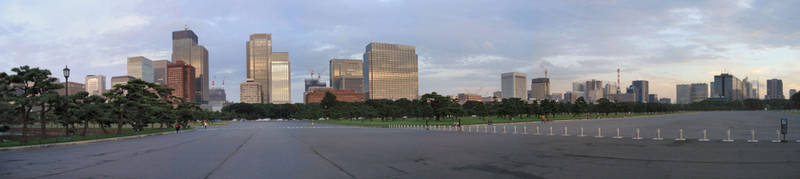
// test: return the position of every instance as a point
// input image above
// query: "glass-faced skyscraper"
(96, 84)
(140, 67)
(347, 74)
(390, 71)
(280, 80)
(185, 48)
(512, 85)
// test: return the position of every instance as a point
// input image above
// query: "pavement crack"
(332, 163)
(230, 155)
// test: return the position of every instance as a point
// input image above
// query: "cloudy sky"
(463, 46)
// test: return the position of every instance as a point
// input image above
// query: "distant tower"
(212, 81)
(618, 83)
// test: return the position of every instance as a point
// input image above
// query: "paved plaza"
(296, 149)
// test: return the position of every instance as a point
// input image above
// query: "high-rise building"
(497, 94)
(390, 71)
(280, 91)
(610, 89)
(594, 91)
(347, 74)
(540, 88)
(578, 87)
(96, 84)
(313, 82)
(465, 97)
(652, 98)
(250, 92)
(316, 94)
(185, 48)
(728, 87)
(140, 67)
(774, 89)
(120, 80)
(713, 91)
(622, 97)
(74, 88)
(683, 94)
(513, 85)
(792, 92)
(160, 72)
(259, 50)
(641, 90)
(747, 87)
(664, 100)
(181, 77)
(698, 92)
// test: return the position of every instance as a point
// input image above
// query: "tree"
(605, 106)
(438, 103)
(796, 100)
(329, 100)
(579, 106)
(32, 82)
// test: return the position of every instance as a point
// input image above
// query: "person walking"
(177, 128)
(205, 123)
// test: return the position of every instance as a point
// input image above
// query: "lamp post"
(66, 93)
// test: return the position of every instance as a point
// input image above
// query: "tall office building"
(792, 92)
(540, 88)
(347, 74)
(96, 84)
(314, 82)
(259, 49)
(728, 87)
(578, 87)
(610, 89)
(641, 90)
(181, 77)
(390, 71)
(594, 90)
(713, 91)
(774, 89)
(652, 98)
(116, 80)
(747, 88)
(140, 67)
(160, 72)
(185, 48)
(683, 94)
(280, 78)
(513, 85)
(250, 92)
(74, 88)
(698, 92)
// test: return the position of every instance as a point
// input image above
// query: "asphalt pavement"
(298, 149)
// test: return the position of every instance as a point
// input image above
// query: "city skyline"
(449, 62)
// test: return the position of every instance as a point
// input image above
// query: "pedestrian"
(205, 123)
(177, 128)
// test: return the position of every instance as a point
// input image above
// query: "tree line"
(29, 96)
(435, 107)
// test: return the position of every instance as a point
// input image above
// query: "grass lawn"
(476, 120)
(81, 138)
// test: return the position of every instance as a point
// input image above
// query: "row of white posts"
(637, 133)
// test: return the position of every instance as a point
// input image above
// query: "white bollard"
(681, 138)
(469, 129)
(729, 139)
(658, 135)
(778, 136)
(537, 130)
(637, 137)
(565, 131)
(599, 133)
(752, 136)
(515, 129)
(494, 129)
(618, 136)
(486, 129)
(524, 130)
(705, 136)
(581, 135)
(504, 129)
(551, 131)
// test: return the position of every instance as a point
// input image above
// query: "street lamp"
(66, 78)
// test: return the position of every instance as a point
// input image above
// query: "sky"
(463, 46)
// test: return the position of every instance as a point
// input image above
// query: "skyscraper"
(652, 98)
(578, 87)
(96, 84)
(140, 67)
(390, 71)
(185, 48)
(259, 49)
(698, 92)
(747, 88)
(120, 80)
(774, 89)
(181, 77)
(641, 90)
(792, 92)
(313, 82)
(160, 72)
(594, 90)
(683, 94)
(347, 74)
(610, 89)
(513, 85)
(713, 91)
(280, 79)
(728, 87)
(540, 88)
(250, 92)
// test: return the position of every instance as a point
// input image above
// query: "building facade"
(181, 77)
(346, 95)
(313, 82)
(120, 80)
(250, 92)
(513, 85)
(540, 88)
(698, 92)
(652, 98)
(259, 50)
(683, 94)
(347, 74)
(390, 71)
(792, 92)
(74, 88)
(185, 48)
(641, 90)
(774, 89)
(141, 67)
(95, 84)
(594, 91)
(729, 87)
(280, 84)
(160, 71)
(465, 97)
